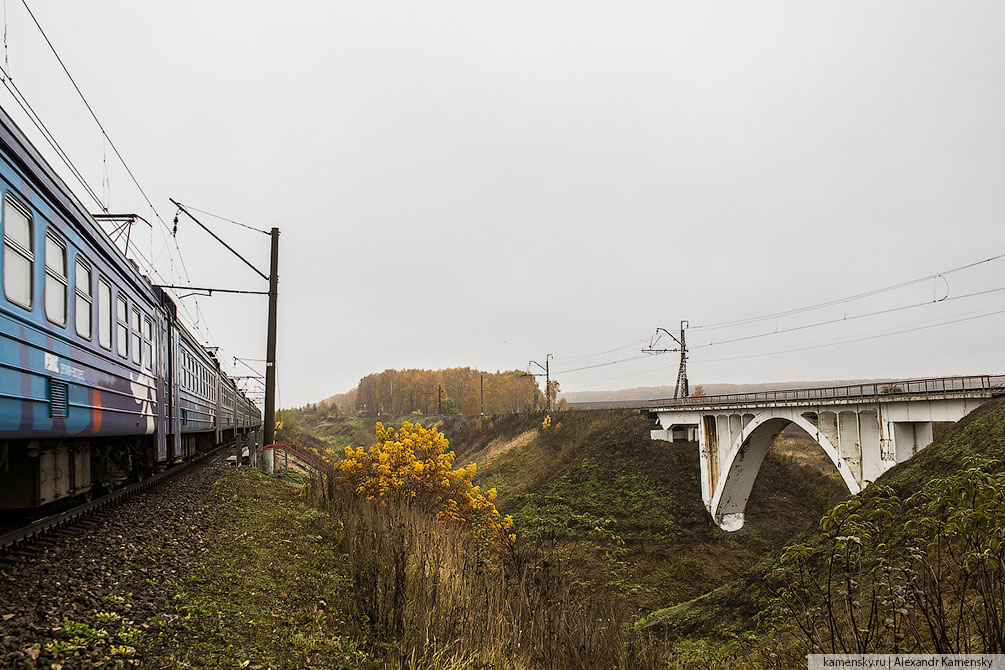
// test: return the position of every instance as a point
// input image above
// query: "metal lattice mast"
(681, 389)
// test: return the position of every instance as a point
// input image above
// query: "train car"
(197, 383)
(228, 395)
(99, 382)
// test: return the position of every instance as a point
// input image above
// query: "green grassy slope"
(629, 507)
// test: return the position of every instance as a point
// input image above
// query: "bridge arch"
(743, 462)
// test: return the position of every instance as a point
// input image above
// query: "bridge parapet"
(865, 429)
(984, 386)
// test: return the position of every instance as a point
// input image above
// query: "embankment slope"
(629, 507)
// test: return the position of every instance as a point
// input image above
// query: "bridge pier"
(863, 436)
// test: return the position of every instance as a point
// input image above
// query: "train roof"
(59, 195)
(62, 199)
(31, 162)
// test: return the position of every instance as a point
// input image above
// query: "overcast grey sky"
(471, 183)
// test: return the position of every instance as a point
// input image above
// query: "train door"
(173, 375)
(163, 389)
(218, 421)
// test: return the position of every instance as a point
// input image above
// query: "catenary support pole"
(547, 381)
(270, 355)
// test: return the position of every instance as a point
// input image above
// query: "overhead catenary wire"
(918, 326)
(63, 156)
(600, 365)
(223, 218)
(858, 296)
(776, 315)
(181, 259)
(193, 319)
(967, 316)
(846, 318)
(91, 110)
(786, 330)
(598, 354)
(36, 120)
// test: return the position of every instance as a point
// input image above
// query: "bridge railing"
(307, 458)
(868, 390)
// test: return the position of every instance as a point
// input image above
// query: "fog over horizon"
(466, 184)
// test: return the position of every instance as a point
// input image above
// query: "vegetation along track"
(54, 594)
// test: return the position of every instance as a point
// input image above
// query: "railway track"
(34, 531)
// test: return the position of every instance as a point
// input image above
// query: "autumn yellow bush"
(414, 464)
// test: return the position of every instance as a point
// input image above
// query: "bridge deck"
(982, 386)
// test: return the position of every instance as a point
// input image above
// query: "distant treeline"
(451, 391)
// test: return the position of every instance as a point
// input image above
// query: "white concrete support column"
(910, 437)
(747, 418)
(735, 427)
(905, 443)
(708, 450)
(828, 426)
(924, 435)
(724, 443)
(873, 464)
(849, 443)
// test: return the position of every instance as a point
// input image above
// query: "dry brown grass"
(439, 598)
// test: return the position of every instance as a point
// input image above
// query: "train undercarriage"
(34, 473)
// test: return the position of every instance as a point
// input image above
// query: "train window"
(148, 344)
(137, 338)
(55, 279)
(105, 314)
(18, 252)
(82, 289)
(122, 327)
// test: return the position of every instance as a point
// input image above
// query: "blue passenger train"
(100, 382)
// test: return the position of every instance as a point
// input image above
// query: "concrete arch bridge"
(864, 429)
